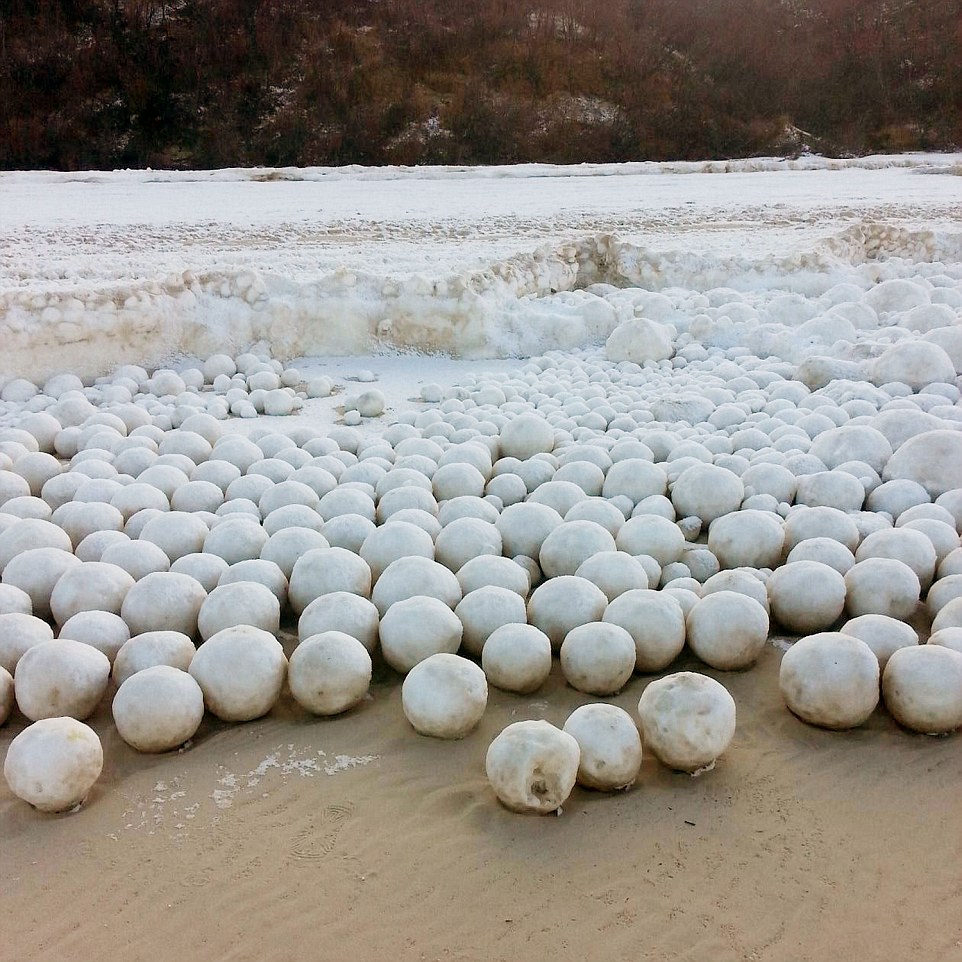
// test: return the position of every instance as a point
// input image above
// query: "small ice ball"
(239, 603)
(164, 601)
(329, 672)
(950, 637)
(922, 688)
(53, 764)
(727, 630)
(830, 679)
(486, 609)
(570, 544)
(89, 586)
(707, 491)
(655, 621)
(488, 570)
(415, 577)
(517, 657)
(532, 766)
(416, 628)
(687, 720)
(652, 535)
(14, 600)
(526, 435)
(598, 658)
(614, 572)
(341, 611)
(241, 671)
(158, 709)
(949, 616)
(610, 746)
(563, 603)
(102, 630)
(321, 571)
(524, 528)
(806, 596)
(882, 586)
(18, 633)
(753, 539)
(153, 648)
(61, 677)
(370, 404)
(444, 696)
(882, 634)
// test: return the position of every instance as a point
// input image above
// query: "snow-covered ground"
(98, 269)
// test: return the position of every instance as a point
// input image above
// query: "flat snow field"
(799, 320)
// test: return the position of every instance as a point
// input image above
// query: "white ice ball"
(487, 570)
(687, 720)
(517, 657)
(54, 763)
(239, 603)
(241, 671)
(321, 571)
(444, 696)
(752, 539)
(532, 766)
(526, 435)
(882, 634)
(639, 340)
(102, 630)
(610, 746)
(61, 677)
(830, 680)
(598, 658)
(933, 459)
(882, 586)
(707, 492)
(153, 648)
(484, 611)
(341, 611)
(164, 601)
(158, 709)
(727, 630)
(806, 596)
(416, 628)
(18, 633)
(656, 622)
(329, 673)
(415, 577)
(922, 688)
(465, 538)
(560, 604)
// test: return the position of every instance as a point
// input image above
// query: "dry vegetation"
(210, 83)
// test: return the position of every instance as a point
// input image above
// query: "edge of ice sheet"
(949, 163)
(520, 306)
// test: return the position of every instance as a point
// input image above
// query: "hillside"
(211, 83)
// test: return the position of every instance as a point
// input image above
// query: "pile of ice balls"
(604, 513)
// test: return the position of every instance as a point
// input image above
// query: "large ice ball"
(610, 746)
(727, 630)
(61, 677)
(158, 709)
(830, 680)
(532, 766)
(517, 657)
(598, 658)
(329, 673)
(444, 696)
(922, 688)
(54, 763)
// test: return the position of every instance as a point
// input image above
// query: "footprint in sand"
(318, 839)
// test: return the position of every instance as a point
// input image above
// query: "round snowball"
(321, 571)
(158, 709)
(707, 492)
(487, 570)
(483, 611)
(53, 764)
(526, 435)
(416, 628)
(153, 648)
(882, 586)
(610, 746)
(415, 577)
(532, 766)
(614, 572)
(164, 601)
(399, 539)
(241, 671)
(18, 633)
(687, 720)
(344, 612)
(727, 630)
(329, 673)
(656, 623)
(747, 539)
(806, 596)
(444, 696)
(100, 629)
(922, 688)
(598, 658)
(560, 604)
(830, 680)
(61, 677)
(882, 634)
(239, 603)
(517, 657)
(90, 586)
